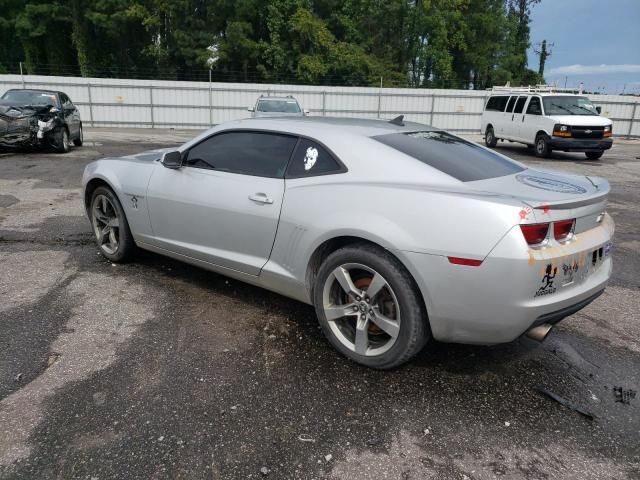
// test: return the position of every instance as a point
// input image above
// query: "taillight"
(469, 262)
(562, 229)
(535, 233)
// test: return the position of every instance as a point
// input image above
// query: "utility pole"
(544, 51)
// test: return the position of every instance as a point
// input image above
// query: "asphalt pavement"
(156, 369)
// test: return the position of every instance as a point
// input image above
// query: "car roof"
(32, 90)
(313, 126)
(277, 98)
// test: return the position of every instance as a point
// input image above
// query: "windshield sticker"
(310, 158)
(550, 184)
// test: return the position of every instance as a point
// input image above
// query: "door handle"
(523, 118)
(512, 115)
(261, 198)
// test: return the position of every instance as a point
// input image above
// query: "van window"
(520, 104)
(512, 100)
(534, 107)
(497, 104)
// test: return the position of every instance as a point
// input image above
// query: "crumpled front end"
(27, 127)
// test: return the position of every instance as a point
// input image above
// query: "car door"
(516, 118)
(531, 121)
(70, 114)
(223, 205)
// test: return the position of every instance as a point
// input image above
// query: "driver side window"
(249, 153)
(534, 107)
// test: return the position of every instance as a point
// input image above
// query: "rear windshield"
(452, 155)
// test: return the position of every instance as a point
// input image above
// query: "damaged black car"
(39, 118)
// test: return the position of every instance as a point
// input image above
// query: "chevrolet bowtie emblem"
(588, 131)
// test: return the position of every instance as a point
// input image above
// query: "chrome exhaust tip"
(540, 332)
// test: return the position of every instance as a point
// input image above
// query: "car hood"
(11, 110)
(146, 156)
(582, 120)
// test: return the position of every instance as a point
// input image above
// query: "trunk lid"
(549, 196)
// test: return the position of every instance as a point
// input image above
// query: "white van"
(546, 120)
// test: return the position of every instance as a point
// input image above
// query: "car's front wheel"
(110, 226)
(369, 307)
(594, 155)
(490, 137)
(62, 140)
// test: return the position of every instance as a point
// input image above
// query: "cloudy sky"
(596, 42)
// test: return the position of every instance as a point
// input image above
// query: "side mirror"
(172, 159)
(250, 109)
(599, 110)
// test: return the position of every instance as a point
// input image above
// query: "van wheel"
(490, 138)
(594, 155)
(542, 146)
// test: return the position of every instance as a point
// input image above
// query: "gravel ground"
(157, 369)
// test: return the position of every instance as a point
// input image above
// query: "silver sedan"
(396, 232)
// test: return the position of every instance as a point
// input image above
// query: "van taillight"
(535, 233)
(562, 229)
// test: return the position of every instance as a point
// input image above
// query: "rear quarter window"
(497, 104)
(452, 155)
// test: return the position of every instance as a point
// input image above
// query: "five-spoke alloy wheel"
(362, 309)
(369, 307)
(110, 225)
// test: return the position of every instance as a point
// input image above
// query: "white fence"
(174, 104)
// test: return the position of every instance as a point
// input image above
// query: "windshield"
(452, 155)
(280, 106)
(26, 97)
(568, 106)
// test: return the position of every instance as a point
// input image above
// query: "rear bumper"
(580, 144)
(515, 288)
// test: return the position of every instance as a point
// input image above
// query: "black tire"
(61, 140)
(80, 139)
(490, 138)
(126, 246)
(594, 155)
(542, 148)
(414, 331)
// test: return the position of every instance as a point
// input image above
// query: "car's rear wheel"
(542, 146)
(80, 139)
(62, 140)
(594, 155)
(369, 307)
(110, 226)
(490, 137)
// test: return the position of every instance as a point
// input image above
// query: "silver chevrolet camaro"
(396, 232)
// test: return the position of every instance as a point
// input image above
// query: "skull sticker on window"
(310, 158)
